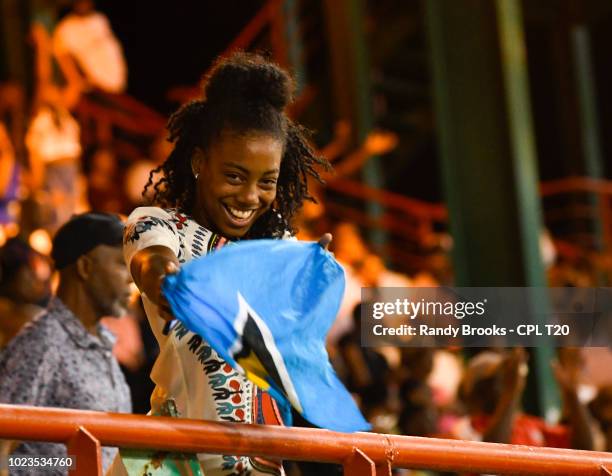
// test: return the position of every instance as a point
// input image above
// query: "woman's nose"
(249, 195)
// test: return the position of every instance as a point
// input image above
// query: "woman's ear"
(197, 158)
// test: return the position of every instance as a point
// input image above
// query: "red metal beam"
(302, 444)
(576, 184)
(147, 126)
(417, 208)
(389, 221)
(438, 212)
(255, 26)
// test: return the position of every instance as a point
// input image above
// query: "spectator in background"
(418, 414)
(350, 250)
(137, 174)
(104, 191)
(63, 358)
(601, 409)
(492, 388)
(88, 51)
(54, 146)
(375, 274)
(366, 372)
(53, 139)
(444, 381)
(24, 287)
(9, 177)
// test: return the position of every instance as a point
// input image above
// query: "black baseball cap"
(82, 233)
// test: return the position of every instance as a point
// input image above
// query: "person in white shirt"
(238, 171)
(86, 48)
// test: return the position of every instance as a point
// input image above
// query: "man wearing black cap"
(64, 357)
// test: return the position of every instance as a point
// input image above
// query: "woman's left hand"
(325, 240)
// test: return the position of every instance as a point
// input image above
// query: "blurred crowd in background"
(89, 146)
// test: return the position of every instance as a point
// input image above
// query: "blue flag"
(266, 306)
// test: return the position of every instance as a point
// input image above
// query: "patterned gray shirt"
(55, 362)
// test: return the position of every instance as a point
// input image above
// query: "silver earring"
(196, 175)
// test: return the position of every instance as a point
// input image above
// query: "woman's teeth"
(240, 214)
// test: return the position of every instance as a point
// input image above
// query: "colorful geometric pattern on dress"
(230, 399)
(198, 245)
(180, 222)
(265, 466)
(216, 242)
(232, 395)
(265, 412)
(178, 219)
(263, 409)
(142, 225)
(237, 464)
(224, 380)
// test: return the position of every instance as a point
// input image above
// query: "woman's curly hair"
(243, 93)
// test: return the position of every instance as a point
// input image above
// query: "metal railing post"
(359, 464)
(86, 450)
(383, 469)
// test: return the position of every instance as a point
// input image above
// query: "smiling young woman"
(238, 170)
(241, 173)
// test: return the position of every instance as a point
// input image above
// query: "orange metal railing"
(360, 453)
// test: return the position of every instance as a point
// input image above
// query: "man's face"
(108, 284)
(237, 181)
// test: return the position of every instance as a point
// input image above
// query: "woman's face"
(237, 181)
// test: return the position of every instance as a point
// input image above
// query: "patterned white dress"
(188, 370)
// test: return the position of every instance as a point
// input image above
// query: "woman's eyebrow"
(237, 166)
(247, 171)
(273, 171)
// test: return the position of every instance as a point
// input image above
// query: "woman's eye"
(267, 185)
(233, 178)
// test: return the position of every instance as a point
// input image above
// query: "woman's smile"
(238, 216)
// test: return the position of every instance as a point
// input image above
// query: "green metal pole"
(352, 86)
(591, 142)
(295, 53)
(516, 81)
(587, 97)
(487, 149)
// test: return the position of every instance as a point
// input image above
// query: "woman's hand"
(149, 267)
(325, 240)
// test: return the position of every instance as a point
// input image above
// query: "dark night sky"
(172, 43)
